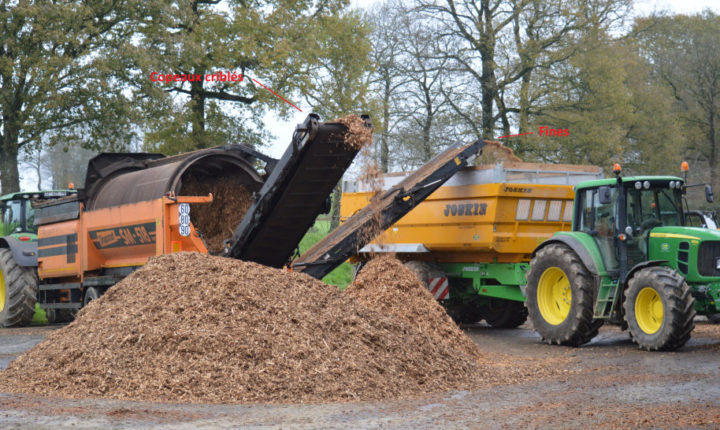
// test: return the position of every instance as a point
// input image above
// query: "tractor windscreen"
(12, 217)
(653, 206)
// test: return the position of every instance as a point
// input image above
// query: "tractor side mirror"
(604, 195)
(709, 194)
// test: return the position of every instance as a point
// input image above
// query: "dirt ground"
(608, 383)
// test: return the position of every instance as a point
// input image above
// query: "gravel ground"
(609, 384)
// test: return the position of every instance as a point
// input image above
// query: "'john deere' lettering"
(465, 209)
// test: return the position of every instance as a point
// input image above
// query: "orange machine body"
(114, 237)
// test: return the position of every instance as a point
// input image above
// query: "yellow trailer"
(472, 239)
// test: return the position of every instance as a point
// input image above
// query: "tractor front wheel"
(18, 291)
(560, 297)
(659, 309)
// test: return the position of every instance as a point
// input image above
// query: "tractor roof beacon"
(630, 259)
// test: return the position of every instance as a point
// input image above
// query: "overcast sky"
(283, 129)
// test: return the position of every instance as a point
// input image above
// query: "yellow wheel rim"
(2, 291)
(554, 296)
(649, 310)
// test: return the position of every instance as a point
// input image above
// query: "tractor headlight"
(646, 185)
(638, 185)
(717, 263)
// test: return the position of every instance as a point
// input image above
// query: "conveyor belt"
(384, 210)
(294, 194)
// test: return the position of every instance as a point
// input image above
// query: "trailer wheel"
(505, 313)
(465, 313)
(90, 294)
(560, 297)
(659, 309)
(18, 291)
(59, 315)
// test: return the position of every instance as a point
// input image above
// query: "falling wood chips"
(189, 327)
(357, 135)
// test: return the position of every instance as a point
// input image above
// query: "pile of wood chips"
(386, 285)
(190, 327)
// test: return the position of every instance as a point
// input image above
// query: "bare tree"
(387, 77)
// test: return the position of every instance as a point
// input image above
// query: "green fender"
(583, 245)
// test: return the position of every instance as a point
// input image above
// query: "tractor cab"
(17, 217)
(619, 214)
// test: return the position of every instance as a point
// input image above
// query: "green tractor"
(18, 256)
(631, 260)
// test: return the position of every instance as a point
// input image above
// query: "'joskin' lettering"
(466, 209)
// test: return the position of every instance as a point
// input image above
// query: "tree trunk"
(523, 116)
(335, 212)
(712, 135)
(488, 88)
(197, 114)
(38, 169)
(384, 147)
(427, 152)
(9, 173)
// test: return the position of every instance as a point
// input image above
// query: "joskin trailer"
(471, 240)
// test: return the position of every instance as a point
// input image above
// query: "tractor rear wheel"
(18, 291)
(505, 313)
(560, 297)
(659, 309)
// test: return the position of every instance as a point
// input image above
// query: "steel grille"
(708, 253)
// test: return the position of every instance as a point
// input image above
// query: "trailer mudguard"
(24, 253)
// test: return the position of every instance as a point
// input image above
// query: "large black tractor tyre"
(560, 297)
(659, 309)
(18, 291)
(505, 313)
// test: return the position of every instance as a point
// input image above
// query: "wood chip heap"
(189, 327)
(386, 285)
